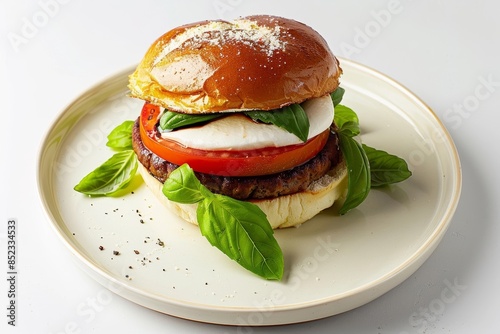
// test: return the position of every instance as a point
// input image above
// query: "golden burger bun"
(256, 62)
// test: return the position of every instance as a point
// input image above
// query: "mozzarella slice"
(238, 132)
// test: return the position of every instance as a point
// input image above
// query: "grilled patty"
(256, 187)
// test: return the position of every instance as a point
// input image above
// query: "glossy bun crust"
(256, 62)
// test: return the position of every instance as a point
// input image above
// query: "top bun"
(256, 62)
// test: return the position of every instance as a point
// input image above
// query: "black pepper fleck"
(116, 252)
(101, 248)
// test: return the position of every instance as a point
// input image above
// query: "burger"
(247, 105)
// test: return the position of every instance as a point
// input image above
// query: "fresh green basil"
(242, 232)
(337, 95)
(385, 168)
(291, 118)
(117, 172)
(171, 120)
(358, 172)
(358, 166)
(367, 167)
(239, 229)
(120, 138)
(111, 176)
(347, 120)
(182, 186)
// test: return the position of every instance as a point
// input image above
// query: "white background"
(445, 51)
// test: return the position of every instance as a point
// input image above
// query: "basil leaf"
(337, 95)
(242, 232)
(111, 176)
(350, 129)
(358, 172)
(291, 118)
(346, 119)
(239, 229)
(385, 168)
(182, 186)
(171, 120)
(120, 138)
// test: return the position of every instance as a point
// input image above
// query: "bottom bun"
(283, 211)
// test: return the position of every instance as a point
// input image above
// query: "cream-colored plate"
(333, 264)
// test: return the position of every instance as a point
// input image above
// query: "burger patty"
(252, 187)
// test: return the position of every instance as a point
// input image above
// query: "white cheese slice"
(238, 132)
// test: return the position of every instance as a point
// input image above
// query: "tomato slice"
(257, 162)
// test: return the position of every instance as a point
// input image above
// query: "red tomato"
(262, 161)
